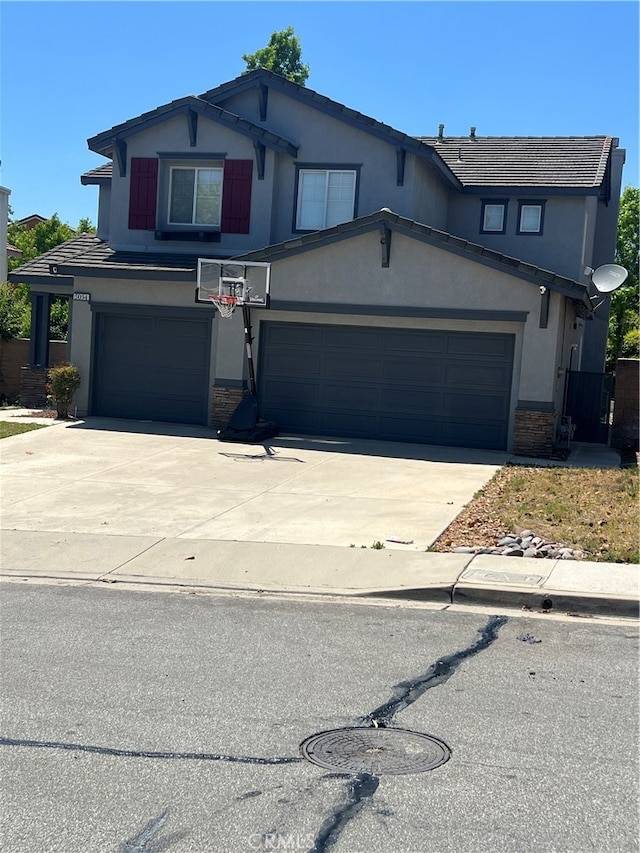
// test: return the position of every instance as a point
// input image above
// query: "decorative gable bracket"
(385, 244)
(260, 150)
(401, 156)
(192, 120)
(263, 99)
(120, 147)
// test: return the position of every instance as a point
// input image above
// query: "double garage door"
(431, 387)
(152, 366)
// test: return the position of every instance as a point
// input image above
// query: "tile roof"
(102, 143)
(526, 161)
(87, 253)
(100, 175)
(90, 256)
(433, 236)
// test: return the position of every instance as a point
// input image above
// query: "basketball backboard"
(247, 281)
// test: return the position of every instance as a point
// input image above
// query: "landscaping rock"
(526, 544)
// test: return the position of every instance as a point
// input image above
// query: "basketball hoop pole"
(248, 340)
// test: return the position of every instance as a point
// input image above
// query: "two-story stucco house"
(425, 289)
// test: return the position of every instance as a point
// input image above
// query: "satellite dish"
(608, 277)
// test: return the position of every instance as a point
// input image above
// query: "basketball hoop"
(225, 304)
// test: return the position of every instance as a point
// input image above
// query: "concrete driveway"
(126, 478)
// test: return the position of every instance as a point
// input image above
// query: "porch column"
(40, 319)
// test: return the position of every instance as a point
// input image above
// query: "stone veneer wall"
(534, 433)
(626, 409)
(224, 403)
(33, 387)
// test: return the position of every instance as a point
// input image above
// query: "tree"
(624, 316)
(47, 235)
(283, 56)
(15, 301)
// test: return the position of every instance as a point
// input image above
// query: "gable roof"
(577, 162)
(92, 257)
(441, 239)
(262, 77)
(103, 143)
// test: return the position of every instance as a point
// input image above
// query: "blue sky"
(73, 69)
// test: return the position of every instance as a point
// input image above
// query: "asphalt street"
(151, 721)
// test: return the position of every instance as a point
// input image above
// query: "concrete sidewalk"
(84, 505)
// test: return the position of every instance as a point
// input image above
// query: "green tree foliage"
(283, 55)
(11, 312)
(15, 300)
(47, 235)
(624, 317)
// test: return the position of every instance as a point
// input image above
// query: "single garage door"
(431, 387)
(152, 367)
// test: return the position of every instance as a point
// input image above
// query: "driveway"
(126, 478)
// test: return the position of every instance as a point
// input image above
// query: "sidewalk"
(555, 585)
(202, 558)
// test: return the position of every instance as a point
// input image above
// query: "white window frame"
(193, 221)
(538, 228)
(503, 211)
(326, 172)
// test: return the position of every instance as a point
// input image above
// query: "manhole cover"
(375, 751)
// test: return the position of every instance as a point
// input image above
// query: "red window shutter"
(143, 193)
(236, 196)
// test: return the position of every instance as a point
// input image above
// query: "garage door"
(152, 367)
(450, 388)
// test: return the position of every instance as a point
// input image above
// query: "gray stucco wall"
(321, 138)
(173, 136)
(567, 237)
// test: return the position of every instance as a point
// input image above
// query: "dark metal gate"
(588, 404)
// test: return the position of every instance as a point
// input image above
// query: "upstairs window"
(326, 197)
(195, 196)
(493, 219)
(530, 217)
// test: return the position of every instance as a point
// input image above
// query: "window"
(494, 217)
(195, 196)
(530, 217)
(326, 197)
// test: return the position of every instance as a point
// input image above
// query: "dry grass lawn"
(594, 510)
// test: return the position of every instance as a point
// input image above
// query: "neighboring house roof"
(100, 175)
(90, 256)
(526, 161)
(32, 221)
(441, 239)
(13, 251)
(103, 143)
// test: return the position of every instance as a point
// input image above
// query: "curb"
(550, 601)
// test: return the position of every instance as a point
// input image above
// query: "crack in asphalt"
(407, 692)
(363, 786)
(137, 753)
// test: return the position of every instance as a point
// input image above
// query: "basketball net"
(225, 304)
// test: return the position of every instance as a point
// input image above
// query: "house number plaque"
(82, 297)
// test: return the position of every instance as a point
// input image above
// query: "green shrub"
(64, 381)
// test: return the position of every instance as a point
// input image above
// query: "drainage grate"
(375, 750)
